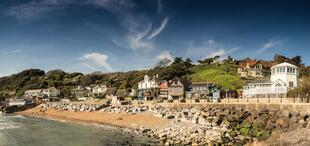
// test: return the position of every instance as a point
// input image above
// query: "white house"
(99, 89)
(283, 77)
(149, 87)
(148, 83)
(51, 92)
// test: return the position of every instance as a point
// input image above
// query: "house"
(17, 102)
(80, 93)
(110, 92)
(36, 93)
(163, 90)
(200, 90)
(254, 68)
(149, 87)
(283, 77)
(99, 89)
(51, 92)
(42, 93)
(177, 88)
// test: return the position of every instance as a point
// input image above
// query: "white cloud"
(157, 31)
(209, 48)
(222, 52)
(95, 60)
(271, 44)
(165, 55)
(35, 9)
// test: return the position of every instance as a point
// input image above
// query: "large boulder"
(298, 137)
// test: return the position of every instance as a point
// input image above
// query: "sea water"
(27, 131)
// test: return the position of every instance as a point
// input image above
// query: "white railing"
(264, 91)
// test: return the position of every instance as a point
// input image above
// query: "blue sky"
(109, 35)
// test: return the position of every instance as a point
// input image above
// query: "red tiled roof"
(266, 64)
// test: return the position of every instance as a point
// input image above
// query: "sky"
(122, 35)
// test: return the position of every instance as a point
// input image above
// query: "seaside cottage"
(283, 77)
(163, 90)
(177, 88)
(99, 89)
(81, 93)
(254, 68)
(149, 87)
(110, 92)
(17, 102)
(199, 90)
(51, 92)
(36, 93)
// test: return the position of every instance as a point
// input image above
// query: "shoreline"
(117, 120)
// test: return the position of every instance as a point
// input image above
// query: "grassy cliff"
(223, 75)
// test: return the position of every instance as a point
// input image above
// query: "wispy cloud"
(165, 55)
(157, 31)
(209, 48)
(95, 60)
(36, 9)
(15, 51)
(271, 44)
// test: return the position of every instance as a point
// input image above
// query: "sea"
(16, 130)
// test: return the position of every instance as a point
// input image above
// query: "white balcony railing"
(264, 91)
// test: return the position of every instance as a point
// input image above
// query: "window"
(291, 84)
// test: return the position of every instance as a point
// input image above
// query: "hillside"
(224, 76)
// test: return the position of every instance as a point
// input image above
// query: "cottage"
(34, 93)
(51, 92)
(177, 88)
(200, 90)
(80, 93)
(283, 77)
(163, 90)
(254, 68)
(110, 92)
(99, 89)
(149, 87)
(17, 102)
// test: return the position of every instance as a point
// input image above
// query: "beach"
(123, 120)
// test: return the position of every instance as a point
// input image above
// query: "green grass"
(224, 76)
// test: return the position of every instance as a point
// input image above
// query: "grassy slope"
(217, 74)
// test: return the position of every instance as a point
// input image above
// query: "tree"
(296, 60)
(280, 58)
(163, 63)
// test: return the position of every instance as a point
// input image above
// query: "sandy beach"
(124, 120)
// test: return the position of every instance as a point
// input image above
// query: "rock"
(282, 122)
(298, 137)
(170, 117)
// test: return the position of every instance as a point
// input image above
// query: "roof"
(111, 91)
(182, 81)
(284, 64)
(163, 85)
(34, 90)
(266, 64)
